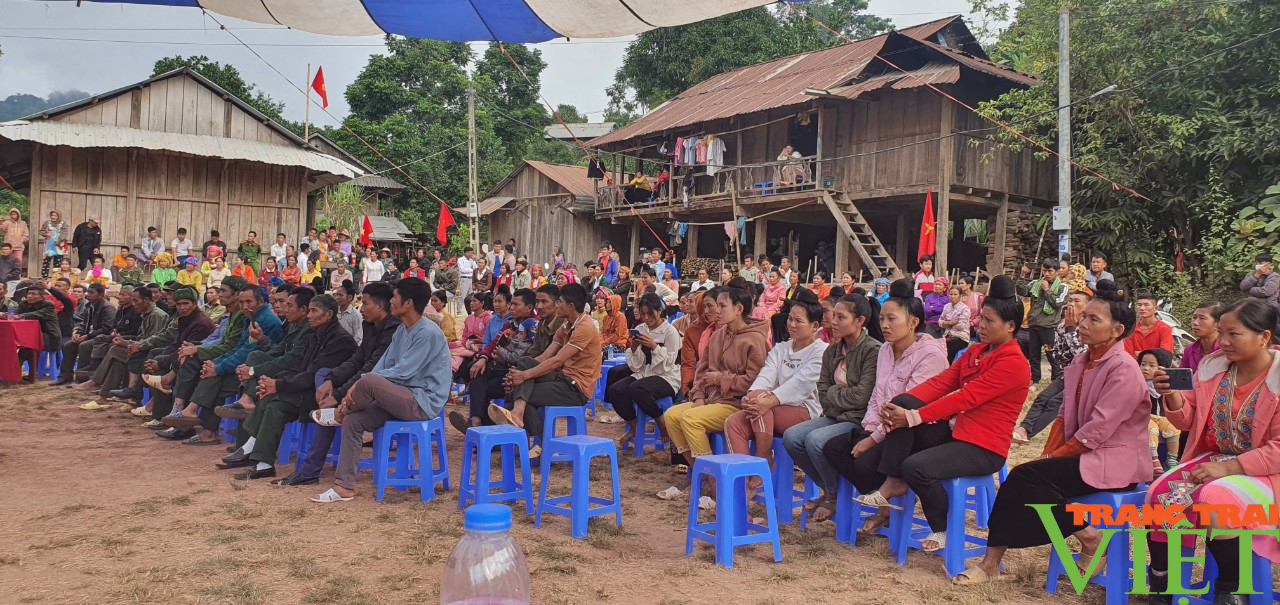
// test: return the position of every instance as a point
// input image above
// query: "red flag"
(366, 232)
(928, 228)
(446, 221)
(318, 85)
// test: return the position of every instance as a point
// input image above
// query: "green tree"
(663, 62)
(1197, 91)
(411, 104)
(228, 77)
(521, 114)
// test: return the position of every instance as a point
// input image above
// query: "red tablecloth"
(14, 334)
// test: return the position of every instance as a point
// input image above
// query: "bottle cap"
(487, 517)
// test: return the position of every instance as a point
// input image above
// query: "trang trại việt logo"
(1140, 521)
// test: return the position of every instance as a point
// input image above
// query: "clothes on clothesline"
(690, 146)
(715, 155)
(742, 230)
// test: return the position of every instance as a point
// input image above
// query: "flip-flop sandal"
(181, 422)
(153, 425)
(329, 497)
(811, 505)
(878, 521)
(124, 407)
(876, 500)
(94, 406)
(141, 412)
(196, 440)
(937, 537)
(325, 417)
(671, 493)
(1082, 563)
(975, 575)
(156, 382)
(500, 415)
(824, 504)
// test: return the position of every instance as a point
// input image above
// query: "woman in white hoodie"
(785, 393)
(908, 357)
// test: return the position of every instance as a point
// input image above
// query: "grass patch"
(564, 570)
(218, 564)
(400, 581)
(385, 517)
(10, 559)
(553, 553)
(238, 591)
(341, 590)
(76, 508)
(778, 576)
(180, 500)
(303, 568)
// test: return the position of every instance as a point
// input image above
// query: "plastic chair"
(575, 421)
(404, 471)
(578, 450)
(908, 531)
(766, 187)
(49, 364)
(1115, 576)
(850, 514)
(645, 436)
(480, 443)
(732, 527)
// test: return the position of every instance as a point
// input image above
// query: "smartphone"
(634, 332)
(1179, 378)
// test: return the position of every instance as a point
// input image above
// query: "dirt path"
(97, 510)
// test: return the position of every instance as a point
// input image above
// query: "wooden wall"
(892, 123)
(987, 166)
(541, 223)
(180, 105)
(130, 190)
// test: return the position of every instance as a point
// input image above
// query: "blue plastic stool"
(49, 364)
(1265, 591)
(227, 429)
(1115, 576)
(403, 471)
(786, 497)
(292, 441)
(575, 420)
(480, 443)
(732, 527)
(766, 188)
(850, 513)
(718, 444)
(578, 450)
(908, 531)
(645, 436)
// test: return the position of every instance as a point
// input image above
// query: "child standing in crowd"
(1160, 429)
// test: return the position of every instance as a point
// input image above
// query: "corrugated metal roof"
(376, 181)
(389, 229)
(572, 178)
(782, 82)
(48, 132)
(584, 131)
(488, 205)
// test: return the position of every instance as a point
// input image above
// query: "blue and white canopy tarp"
(469, 20)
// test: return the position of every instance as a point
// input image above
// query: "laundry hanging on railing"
(715, 154)
(690, 151)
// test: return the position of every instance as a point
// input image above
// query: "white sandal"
(876, 500)
(671, 493)
(329, 496)
(938, 536)
(325, 417)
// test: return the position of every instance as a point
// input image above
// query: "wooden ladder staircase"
(861, 237)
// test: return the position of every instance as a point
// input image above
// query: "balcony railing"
(746, 181)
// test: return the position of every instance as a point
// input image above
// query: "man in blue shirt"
(410, 382)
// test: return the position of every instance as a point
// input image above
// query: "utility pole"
(473, 195)
(1062, 214)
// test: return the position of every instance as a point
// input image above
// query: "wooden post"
(900, 250)
(691, 242)
(38, 215)
(760, 244)
(947, 153)
(306, 121)
(634, 249)
(842, 257)
(1002, 217)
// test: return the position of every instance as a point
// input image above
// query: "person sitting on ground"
(844, 385)
(734, 354)
(213, 307)
(1096, 444)
(379, 328)
(283, 356)
(409, 383)
(512, 341)
(290, 393)
(908, 357)
(785, 392)
(984, 391)
(96, 320)
(35, 306)
(1066, 347)
(652, 370)
(113, 370)
(564, 375)
(1151, 332)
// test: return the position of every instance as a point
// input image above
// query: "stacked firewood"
(1024, 242)
(689, 267)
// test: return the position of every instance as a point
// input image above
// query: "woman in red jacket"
(982, 393)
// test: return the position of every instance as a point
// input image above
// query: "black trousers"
(923, 457)
(955, 345)
(1045, 481)
(1037, 339)
(484, 388)
(626, 393)
(839, 454)
(1044, 410)
(72, 353)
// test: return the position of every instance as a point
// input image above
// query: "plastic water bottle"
(487, 567)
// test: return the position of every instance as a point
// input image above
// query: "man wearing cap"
(1264, 282)
(158, 354)
(249, 249)
(202, 362)
(86, 237)
(292, 392)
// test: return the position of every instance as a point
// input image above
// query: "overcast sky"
(45, 50)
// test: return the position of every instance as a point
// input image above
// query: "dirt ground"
(98, 510)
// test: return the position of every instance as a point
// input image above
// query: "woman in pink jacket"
(1233, 444)
(771, 298)
(1098, 443)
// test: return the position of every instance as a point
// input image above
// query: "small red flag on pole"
(318, 85)
(446, 221)
(366, 232)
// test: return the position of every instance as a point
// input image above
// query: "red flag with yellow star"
(928, 228)
(318, 85)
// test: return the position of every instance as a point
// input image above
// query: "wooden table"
(14, 334)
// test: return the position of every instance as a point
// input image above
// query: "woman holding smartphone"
(1233, 444)
(652, 370)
